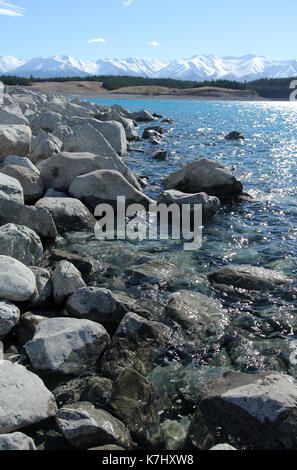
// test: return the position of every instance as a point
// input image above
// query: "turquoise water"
(261, 326)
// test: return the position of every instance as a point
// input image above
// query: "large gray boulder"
(9, 317)
(86, 138)
(69, 214)
(24, 399)
(210, 204)
(10, 188)
(44, 146)
(46, 121)
(104, 186)
(142, 116)
(66, 279)
(14, 140)
(21, 243)
(206, 176)
(85, 427)
(36, 218)
(16, 441)
(67, 345)
(12, 114)
(99, 305)
(112, 131)
(60, 170)
(249, 278)
(31, 182)
(17, 282)
(257, 411)
(21, 161)
(128, 124)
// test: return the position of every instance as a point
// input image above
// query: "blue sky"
(163, 29)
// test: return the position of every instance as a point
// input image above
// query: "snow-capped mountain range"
(200, 67)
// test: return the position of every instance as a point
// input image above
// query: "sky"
(161, 29)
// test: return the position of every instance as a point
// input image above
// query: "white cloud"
(154, 43)
(127, 3)
(10, 9)
(97, 40)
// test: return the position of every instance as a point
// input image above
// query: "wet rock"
(16, 441)
(99, 305)
(17, 282)
(206, 176)
(44, 288)
(66, 345)
(9, 317)
(251, 411)
(96, 390)
(158, 116)
(31, 183)
(85, 427)
(10, 188)
(142, 116)
(168, 121)
(104, 186)
(69, 214)
(21, 243)
(135, 345)
(159, 272)
(107, 447)
(37, 219)
(249, 278)
(196, 312)
(175, 433)
(66, 279)
(14, 140)
(24, 400)
(210, 204)
(160, 155)
(135, 401)
(84, 263)
(234, 135)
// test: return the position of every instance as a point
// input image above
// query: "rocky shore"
(82, 362)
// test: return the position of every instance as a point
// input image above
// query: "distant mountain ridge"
(197, 68)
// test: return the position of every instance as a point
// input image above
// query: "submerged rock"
(206, 176)
(210, 204)
(67, 345)
(135, 345)
(249, 278)
(135, 401)
(24, 399)
(159, 272)
(252, 411)
(85, 426)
